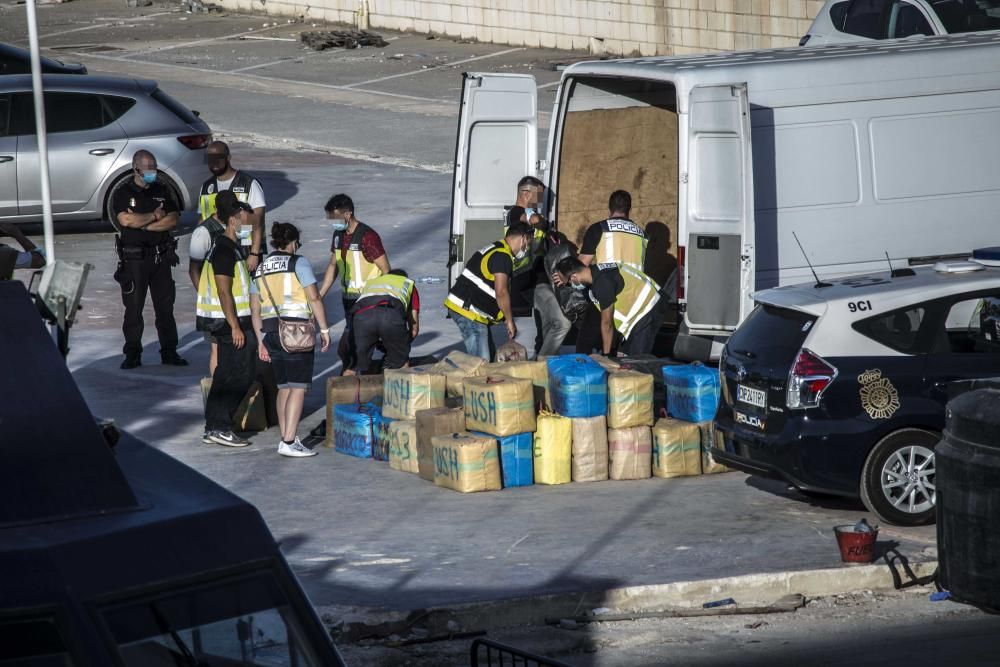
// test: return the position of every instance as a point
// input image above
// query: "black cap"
(227, 205)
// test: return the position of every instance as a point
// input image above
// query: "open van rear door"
(719, 258)
(497, 146)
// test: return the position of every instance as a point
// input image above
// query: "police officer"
(223, 310)
(625, 298)
(615, 240)
(387, 312)
(146, 214)
(480, 297)
(357, 256)
(246, 188)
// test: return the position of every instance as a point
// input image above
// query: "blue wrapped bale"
(692, 392)
(356, 429)
(516, 463)
(578, 385)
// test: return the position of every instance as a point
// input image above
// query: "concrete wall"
(617, 27)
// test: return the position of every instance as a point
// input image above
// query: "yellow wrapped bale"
(403, 446)
(590, 449)
(631, 452)
(710, 439)
(553, 449)
(630, 399)
(466, 462)
(408, 390)
(676, 448)
(456, 367)
(537, 371)
(435, 421)
(499, 405)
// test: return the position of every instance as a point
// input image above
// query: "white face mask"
(244, 232)
(578, 286)
(521, 254)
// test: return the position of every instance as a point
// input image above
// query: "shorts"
(210, 338)
(292, 370)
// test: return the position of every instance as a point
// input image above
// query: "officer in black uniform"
(146, 214)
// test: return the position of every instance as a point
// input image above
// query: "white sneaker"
(295, 450)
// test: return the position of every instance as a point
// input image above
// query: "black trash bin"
(968, 499)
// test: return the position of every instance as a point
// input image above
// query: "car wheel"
(897, 481)
(122, 182)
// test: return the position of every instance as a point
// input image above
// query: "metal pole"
(43, 146)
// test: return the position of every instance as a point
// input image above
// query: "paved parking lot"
(357, 532)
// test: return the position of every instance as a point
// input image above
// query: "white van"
(860, 150)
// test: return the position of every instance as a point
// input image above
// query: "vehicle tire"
(121, 182)
(897, 481)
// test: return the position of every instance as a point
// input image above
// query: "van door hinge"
(684, 177)
(541, 166)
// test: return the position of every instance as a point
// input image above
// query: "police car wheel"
(897, 481)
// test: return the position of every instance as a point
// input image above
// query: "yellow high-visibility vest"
(242, 182)
(276, 279)
(209, 307)
(622, 242)
(636, 300)
(354, 269)
(395, 287)
(474, 293)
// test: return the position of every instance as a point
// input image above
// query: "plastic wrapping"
(380, 452)
(403, 445)
(630, 399)
(537, 371)
(692, 392)
(355, 427)
(553, 449)
(512, 351)
(435, 421)
(499, 405)
(456, 367)
(590, 449)
(408, 390)
(631, 452)
(710, 440)
(610, 365)
(466, 462)
(516, 465)
(579, 386)
(349, 390)
(676, 448)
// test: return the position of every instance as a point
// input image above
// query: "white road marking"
(324, 372)
(188, 346)
(256, 77)
(431, 68)
(98, 25)
(206, 40)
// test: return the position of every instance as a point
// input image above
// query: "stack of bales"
(683, 442)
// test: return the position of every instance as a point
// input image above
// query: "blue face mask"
(578, 286)
(245, 231)
(149, 177)
(339, 225)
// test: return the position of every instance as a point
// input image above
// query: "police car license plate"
(751, 396)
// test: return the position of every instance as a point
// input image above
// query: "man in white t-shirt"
(246, 188)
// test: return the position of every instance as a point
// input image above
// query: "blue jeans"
(477, 337)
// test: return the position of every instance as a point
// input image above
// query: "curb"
(351, 624)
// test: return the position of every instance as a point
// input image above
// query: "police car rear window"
(897, 330)
(772, 335)
(174, 106)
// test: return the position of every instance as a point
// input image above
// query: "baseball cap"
(227, 205)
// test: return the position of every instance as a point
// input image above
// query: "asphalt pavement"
(381, 128)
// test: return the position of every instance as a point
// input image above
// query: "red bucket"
(855, 546)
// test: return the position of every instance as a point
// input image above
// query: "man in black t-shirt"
(146, 214)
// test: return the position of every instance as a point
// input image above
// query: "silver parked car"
(862, 20)
(95, 124)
